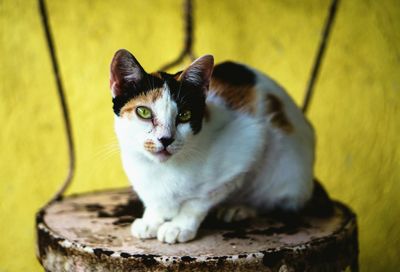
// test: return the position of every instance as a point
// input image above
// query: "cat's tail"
(320, 204)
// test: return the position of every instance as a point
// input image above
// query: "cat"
(224, 137)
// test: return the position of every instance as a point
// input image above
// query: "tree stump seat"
(91, 232)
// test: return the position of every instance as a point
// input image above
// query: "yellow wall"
(356, 108)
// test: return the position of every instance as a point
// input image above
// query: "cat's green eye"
(144, 112)
(185, 116)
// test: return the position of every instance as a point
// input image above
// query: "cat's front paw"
(235, 213)
(144, 230)
(172, 233)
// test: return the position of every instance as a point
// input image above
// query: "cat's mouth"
(164, 152)
(163, 155)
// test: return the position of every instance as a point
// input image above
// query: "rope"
(61, 94)
(188, 42)
(320, 55)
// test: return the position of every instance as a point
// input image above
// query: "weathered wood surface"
(91, 232)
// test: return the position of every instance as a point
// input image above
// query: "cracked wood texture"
(91, 232)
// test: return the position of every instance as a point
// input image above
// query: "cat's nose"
(166, 141)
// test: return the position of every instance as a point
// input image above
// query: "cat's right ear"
(125, 71)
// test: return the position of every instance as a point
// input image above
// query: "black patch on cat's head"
(128, 79)
(234, 74)
(188, 88)
(187, 97)
(130, 91)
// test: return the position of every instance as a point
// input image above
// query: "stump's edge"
(335, 253)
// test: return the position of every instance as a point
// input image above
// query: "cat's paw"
(144, 230)
(235, 213)
(172, 233)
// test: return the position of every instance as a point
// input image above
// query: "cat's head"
(158, 114)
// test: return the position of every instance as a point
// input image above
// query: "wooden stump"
(91, 232)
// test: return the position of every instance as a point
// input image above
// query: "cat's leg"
(153, 217)
(234, 213)
(147, 226)
(183, 227)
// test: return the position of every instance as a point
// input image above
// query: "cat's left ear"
(199, 72)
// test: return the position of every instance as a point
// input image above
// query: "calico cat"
(224, 138)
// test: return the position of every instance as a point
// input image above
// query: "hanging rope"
(188, 42)
(320, 54)
(61, 94)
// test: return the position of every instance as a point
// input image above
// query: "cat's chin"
(161, 156)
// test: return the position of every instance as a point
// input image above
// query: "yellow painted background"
(356, 107)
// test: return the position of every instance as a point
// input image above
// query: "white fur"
(235, 156)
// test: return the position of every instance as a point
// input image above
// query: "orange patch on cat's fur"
(149, 146)
(278, 118)
(237, 97)
(141, 100)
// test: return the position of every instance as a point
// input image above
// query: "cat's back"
(234, 84)
(245, 90)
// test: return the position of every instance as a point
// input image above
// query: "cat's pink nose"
(166, 141)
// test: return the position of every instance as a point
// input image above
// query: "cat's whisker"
(107, 151)
(107, 155)
(108, 148)
(103, 149)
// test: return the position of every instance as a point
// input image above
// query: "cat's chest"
(154, 180)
